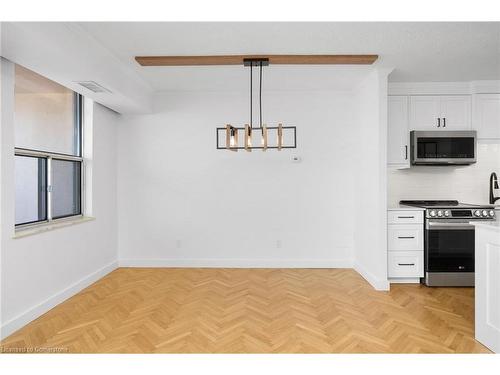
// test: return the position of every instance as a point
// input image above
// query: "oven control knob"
(440, 213)
(485, 213)
(492, 213)
(477, 213)
(447, 213)
(432, 213)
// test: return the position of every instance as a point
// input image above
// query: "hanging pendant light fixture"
(231, 132)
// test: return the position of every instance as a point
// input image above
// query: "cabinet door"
(456, 112)
(487, 116)
(397, 130)
(424, 112)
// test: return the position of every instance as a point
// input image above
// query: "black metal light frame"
(258, 62)
(219, 147)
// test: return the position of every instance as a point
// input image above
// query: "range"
(449, 240)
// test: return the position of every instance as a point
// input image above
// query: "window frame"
(49, 156)
(45, 193)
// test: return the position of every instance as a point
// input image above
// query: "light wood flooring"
(161, 310)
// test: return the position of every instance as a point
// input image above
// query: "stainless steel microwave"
(443, 147)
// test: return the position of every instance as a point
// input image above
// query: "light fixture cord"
(251, 92)
(260, 94)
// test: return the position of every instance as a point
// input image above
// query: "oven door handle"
(449, 226)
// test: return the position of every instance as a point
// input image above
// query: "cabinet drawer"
(406, 264)
(405, 217)
(405, 237)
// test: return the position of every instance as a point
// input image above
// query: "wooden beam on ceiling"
(238, 59)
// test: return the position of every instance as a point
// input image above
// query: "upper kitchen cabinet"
(456, 112)
(487, 116)
(424, 112)
(397, 130)
(440, 112)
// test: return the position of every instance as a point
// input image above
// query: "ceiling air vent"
(93, 86)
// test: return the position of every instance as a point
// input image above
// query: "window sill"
(45, 227)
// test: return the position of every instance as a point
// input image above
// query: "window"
(31, 189)
(66, 183)
(48, 153)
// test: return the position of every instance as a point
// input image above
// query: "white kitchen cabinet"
(487, 116)
(398, 146)
(456, 112)
(440, 112)
(405, 237)
(487, 285)
(408, 216)
(405, 264)
(425, 112)
(405, 245)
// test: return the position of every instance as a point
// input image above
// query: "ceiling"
(418, 52)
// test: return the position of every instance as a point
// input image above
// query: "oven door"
(449, 246)
(443, 147)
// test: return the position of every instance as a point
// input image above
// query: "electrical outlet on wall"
(278, 244)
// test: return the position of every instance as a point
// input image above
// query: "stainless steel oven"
(443, 147)
(449, 253)
(449, 240)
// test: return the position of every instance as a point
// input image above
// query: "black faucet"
(493, 185)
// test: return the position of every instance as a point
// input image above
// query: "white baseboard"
(237, 263)
(378, 284)
(24, 318)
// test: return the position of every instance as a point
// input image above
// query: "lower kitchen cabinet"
(405, 245)
(405, 264)
(487, 280)
(405, 237)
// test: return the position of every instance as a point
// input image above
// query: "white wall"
(184, 203)
(42, 270)
(467, 184)
(370, 170)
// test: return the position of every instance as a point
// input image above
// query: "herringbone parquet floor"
(164, 310)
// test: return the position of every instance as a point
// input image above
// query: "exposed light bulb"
(248, 138)
(280, 137)
(232, 141)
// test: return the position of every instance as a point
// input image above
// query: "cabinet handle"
(406, 264)
(406, 152)
(444, 122)
(406, 217)
(439, 122)
(406, 237)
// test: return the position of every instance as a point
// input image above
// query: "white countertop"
(492, 225)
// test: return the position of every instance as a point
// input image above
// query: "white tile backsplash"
(468, 184)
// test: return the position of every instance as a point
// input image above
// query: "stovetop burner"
(441, 204)
(430, 203)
